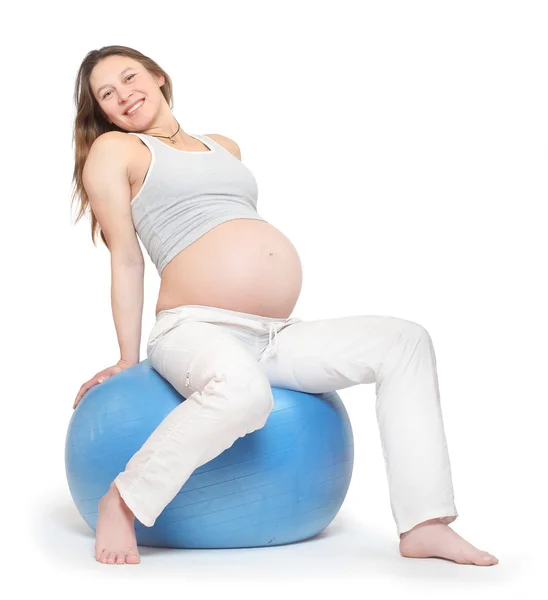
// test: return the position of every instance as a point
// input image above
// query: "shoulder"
(117, 143)
(112, 149)
(112, 145)
(113, 137)
(227, 143)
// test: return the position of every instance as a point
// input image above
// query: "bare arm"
(106, 182)
(127, 308)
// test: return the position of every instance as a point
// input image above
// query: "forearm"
(127, 307)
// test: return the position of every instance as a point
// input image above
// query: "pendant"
(172, 141)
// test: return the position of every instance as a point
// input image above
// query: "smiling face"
(117, 83)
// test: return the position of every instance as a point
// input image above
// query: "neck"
(167, 128)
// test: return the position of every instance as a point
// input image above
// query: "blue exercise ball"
(280, 484)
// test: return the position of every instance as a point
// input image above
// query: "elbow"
(127, 262)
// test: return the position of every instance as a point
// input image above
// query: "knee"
(256, 403)
(412, 331)
(249, 404)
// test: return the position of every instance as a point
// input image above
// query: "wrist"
(125, 362)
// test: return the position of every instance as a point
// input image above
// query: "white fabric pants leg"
(224, 363)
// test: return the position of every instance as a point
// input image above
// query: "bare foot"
(115, 541)
(434, 539)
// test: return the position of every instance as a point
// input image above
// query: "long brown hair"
(90, 120)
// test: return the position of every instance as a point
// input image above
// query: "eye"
(132, 75)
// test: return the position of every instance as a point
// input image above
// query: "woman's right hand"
(121, 365)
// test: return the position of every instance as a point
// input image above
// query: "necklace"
(169, 137)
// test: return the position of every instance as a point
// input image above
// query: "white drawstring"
(272, 348)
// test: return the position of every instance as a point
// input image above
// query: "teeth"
(134, 107)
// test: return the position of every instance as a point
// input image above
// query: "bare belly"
(242, 265)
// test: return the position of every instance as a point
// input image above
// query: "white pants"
(225, 362)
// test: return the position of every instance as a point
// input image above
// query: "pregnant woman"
(224, 333)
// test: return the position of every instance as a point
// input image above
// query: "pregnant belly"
(242, 265)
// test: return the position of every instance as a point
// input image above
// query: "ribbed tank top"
(186, 194)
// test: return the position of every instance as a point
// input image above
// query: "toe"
(133, 558)
(121, 559)
(111, 558)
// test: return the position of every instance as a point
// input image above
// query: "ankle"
(116, 493)
(437, 521)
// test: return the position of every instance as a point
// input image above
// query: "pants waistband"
(214, 310)
(213, 314)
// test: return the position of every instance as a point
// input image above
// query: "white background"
(402, 147)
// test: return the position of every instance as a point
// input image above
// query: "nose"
(126, 99)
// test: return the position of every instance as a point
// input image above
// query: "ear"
(161, 80)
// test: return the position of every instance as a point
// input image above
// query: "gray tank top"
(186, 194)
